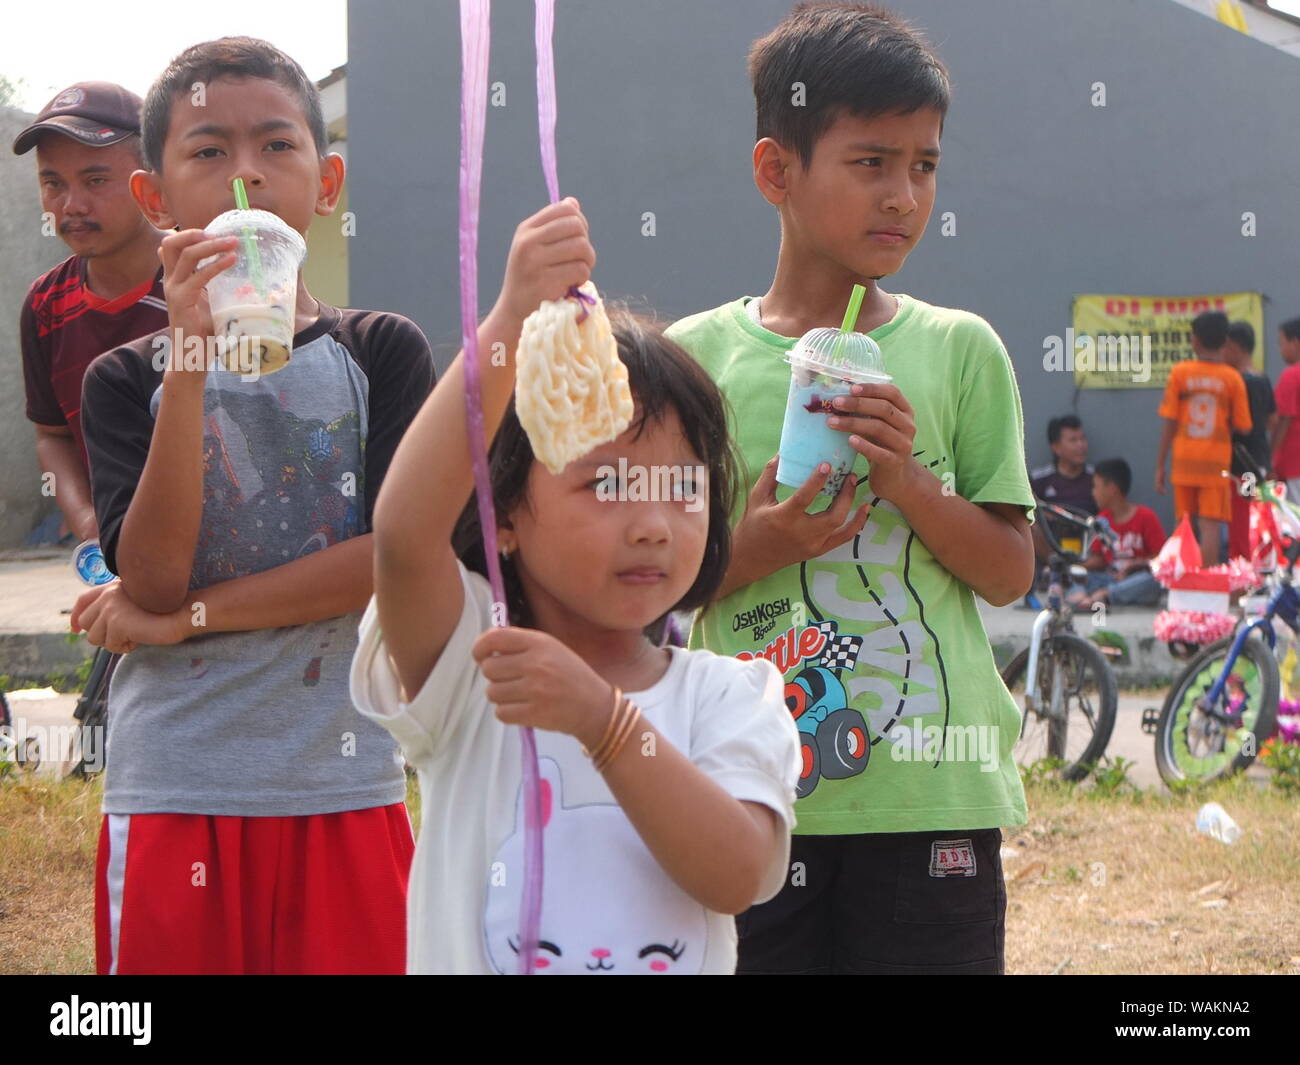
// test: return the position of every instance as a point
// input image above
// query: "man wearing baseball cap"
(108, 292)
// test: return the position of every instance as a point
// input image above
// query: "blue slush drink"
(824, 364)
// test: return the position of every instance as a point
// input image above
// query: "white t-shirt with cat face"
(607, 907)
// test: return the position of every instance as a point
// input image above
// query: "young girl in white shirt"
(681, 814)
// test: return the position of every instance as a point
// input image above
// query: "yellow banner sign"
(1133, 341)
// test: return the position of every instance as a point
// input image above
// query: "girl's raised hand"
(535, 680)
(551, 252)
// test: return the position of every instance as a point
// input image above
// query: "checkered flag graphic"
(841, 652)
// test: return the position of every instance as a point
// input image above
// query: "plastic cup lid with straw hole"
(851, 356)
(236, 221)
(843, 352)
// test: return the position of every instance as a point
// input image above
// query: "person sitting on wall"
(1122, 575)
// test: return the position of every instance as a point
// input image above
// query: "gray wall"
(1053, 196)
(26, 255)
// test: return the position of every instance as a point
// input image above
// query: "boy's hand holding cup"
(772, 535)
(884, 427)
(184, 285)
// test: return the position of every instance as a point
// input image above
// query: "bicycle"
(25, 755)
(1064, 682)
(1223, 706)
(92, 712)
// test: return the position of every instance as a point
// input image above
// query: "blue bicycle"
(1223, 706)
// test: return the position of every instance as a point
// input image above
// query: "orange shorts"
(1205, 501)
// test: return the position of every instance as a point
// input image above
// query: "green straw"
(850, 318)
(250, 241)
(855, 305)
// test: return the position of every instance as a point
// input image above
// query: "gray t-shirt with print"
(258, 723)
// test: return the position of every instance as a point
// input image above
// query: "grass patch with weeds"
(1105, 878)
(1110, 878)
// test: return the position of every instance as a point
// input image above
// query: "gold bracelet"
(609, 728)
(622, 738)
(611, 734)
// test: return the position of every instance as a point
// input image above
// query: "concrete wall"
(1053, 196)
(27, 255)
(326, 269)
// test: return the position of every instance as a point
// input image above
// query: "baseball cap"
(97, 113)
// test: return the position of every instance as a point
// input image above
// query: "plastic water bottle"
(88, 562)
(1213, 821)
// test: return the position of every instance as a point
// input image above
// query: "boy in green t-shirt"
(869, 613)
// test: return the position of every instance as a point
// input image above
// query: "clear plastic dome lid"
(236, 221)
(851, 356)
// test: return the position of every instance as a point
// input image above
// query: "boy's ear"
(148, 195)
(332, 173)
(772, 165)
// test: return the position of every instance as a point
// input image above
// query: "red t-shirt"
(1287, 393)
(1141, 536)
(65, 327)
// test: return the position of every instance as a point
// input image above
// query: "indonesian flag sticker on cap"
(97, 113)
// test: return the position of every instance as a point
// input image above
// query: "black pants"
(905, 902)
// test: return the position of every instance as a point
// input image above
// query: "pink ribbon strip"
(543, 34)
(543, 39)
(475, 37)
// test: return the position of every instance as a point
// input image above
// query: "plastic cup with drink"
(825, 364)
(253, 301)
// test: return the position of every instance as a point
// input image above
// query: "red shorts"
(193, 893)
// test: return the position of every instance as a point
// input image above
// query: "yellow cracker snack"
(571, 390)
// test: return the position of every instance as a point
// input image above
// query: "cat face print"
(607, 907)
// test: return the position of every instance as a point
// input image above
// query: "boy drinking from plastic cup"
(237, 515)
(870, 613)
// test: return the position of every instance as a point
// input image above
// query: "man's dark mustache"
(92, 226)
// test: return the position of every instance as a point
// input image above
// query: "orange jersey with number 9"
(1208, 401)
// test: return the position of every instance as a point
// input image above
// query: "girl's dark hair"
(663, 378)
(854, 58)
(237, 57)
(1290, 329)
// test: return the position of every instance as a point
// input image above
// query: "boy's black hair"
(662, 377)
(238, 57)
(1211, 328)
(1290, 329)
(1058, 425)
(1117, 472)
(854, 58)
(1243, 335)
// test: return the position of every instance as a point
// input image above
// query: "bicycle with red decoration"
(1224, 704)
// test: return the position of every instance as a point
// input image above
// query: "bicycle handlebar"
(1099, 528)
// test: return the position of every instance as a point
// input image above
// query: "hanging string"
(475, 37)
(543, 41)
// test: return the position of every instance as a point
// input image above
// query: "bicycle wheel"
(1077, 701)
(1194, 745)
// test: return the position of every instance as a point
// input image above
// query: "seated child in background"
(1122, 576)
